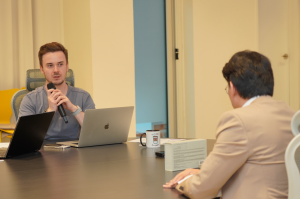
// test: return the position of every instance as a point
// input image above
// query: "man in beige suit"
(247, 161)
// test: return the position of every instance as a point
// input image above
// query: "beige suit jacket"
(247, 161)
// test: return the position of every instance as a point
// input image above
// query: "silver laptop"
(103, 126)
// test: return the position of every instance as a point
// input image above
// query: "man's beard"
(56, 84)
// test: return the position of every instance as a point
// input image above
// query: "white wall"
(77, 39)
(47, 25)
(294, 52)
(100, 39)
(113, 54)
(221, 28)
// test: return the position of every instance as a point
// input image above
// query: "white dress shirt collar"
(250, 101)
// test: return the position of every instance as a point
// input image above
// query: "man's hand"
(56, 98)
(172, 184)
(52, 99)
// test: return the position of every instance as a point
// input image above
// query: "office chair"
(16, 102)
(6, 124)
(295, 123)
(34, 78)
(292, 164)
(5, 110)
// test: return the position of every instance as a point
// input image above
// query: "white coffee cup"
(152, 139)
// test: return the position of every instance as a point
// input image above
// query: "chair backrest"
(292, 164)
(35, 78)
(295, 123)
(5, 111)
(16, 102)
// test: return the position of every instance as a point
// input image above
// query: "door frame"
(171, 70)
(294, 52)
(180, 71)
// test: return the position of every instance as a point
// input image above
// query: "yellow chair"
(6, 111)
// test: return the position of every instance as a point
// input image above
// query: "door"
(273, 43)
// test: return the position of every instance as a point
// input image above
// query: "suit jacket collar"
(263, 99)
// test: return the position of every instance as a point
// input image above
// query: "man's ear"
(233, 89)
(41, 68)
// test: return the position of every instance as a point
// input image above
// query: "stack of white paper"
(185, 154)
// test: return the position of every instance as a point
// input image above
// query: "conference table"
(124, 170)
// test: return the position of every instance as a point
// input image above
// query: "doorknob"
(285, 56)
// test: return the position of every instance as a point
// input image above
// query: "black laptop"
(29, 135)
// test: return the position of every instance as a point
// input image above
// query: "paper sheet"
(180, 181)
(4, 144)
(162, 140)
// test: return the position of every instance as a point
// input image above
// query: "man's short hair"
(51, 47)
(251, 73)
